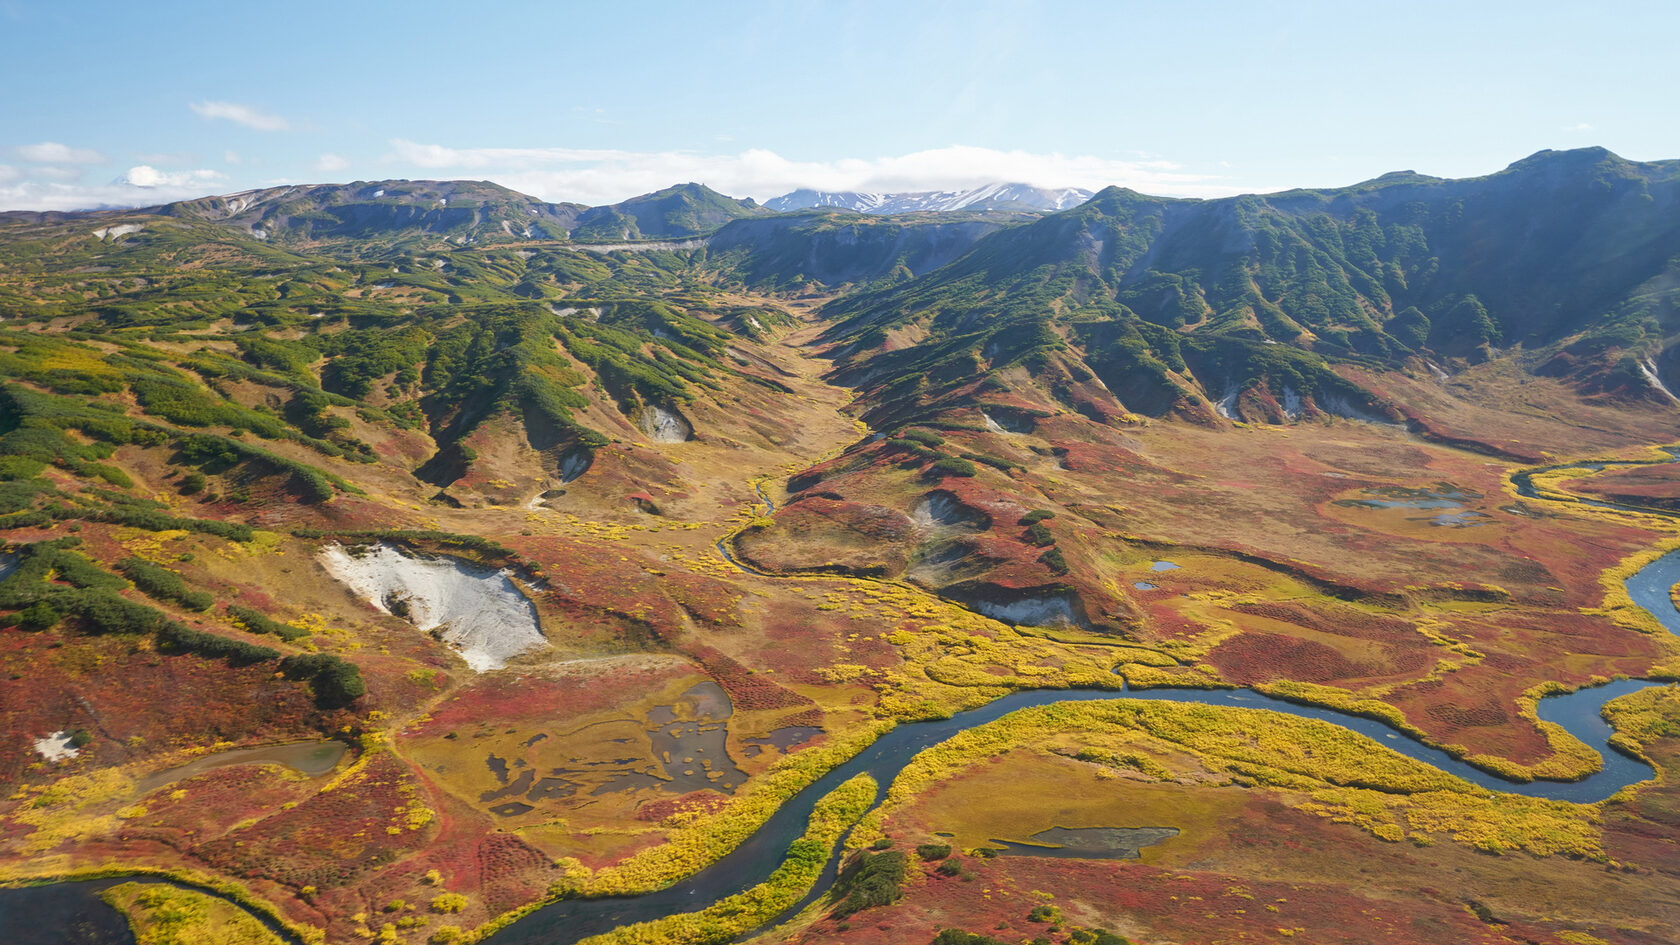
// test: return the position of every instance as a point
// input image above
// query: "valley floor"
(727, 617)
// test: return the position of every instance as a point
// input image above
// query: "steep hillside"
(1191, 306)
(830, 248)
(673, 213)
(462, 212)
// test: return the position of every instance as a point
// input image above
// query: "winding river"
(568, 921)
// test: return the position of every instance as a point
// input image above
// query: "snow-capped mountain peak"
(987, 197)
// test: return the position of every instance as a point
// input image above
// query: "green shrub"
(335, 681)
(952, 466)
(1044, 913)
(1035, 516)
(996, 462)
(1053, 560)
(163, 584)
(104, 612)
(41, 615)
(914, 447)
(870, 880)
(934, 851)
(110, 474)
(1039, 536)
(184, 639)
(20, 467)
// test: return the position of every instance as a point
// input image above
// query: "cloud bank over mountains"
(606, 176)
(55, 176)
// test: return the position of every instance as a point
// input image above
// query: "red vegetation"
(511, 698)
(511, 872)
(814, 533)
(129, 697)
(1263, 657)
(700, 801)
(332, 838)
(747, 689)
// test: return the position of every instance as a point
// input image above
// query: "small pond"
(1088, 843)
(313, 758)
(1443, 495)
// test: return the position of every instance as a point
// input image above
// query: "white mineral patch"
(1227, 405)
(941, 509)
(478, 612)
(575, 464)
(56, 747)
(1291, 403)
(1030, 611)
(664, 426)
(1342, 407)
(118, 231)
(1647, 368)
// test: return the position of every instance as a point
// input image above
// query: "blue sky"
(138, 103)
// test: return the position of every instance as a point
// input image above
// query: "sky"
(136, 104)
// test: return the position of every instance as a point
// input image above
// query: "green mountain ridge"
(686, 210)
(1176, 304)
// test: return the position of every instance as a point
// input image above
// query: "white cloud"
(241, 115)
(34, 194)
(607, 176)
(331, 163)
(1581, 128)
(8, 174)
(144, 175)
(166, 157)
(232, 157)
(51, 152)
(54, 172)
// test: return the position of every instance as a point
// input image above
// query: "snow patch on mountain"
(987, 197)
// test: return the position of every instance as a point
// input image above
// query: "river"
(567, 921)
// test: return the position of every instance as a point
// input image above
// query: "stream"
(23, 910)
(570, 920)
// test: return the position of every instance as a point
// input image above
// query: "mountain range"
(572, 542)
(986, 197)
